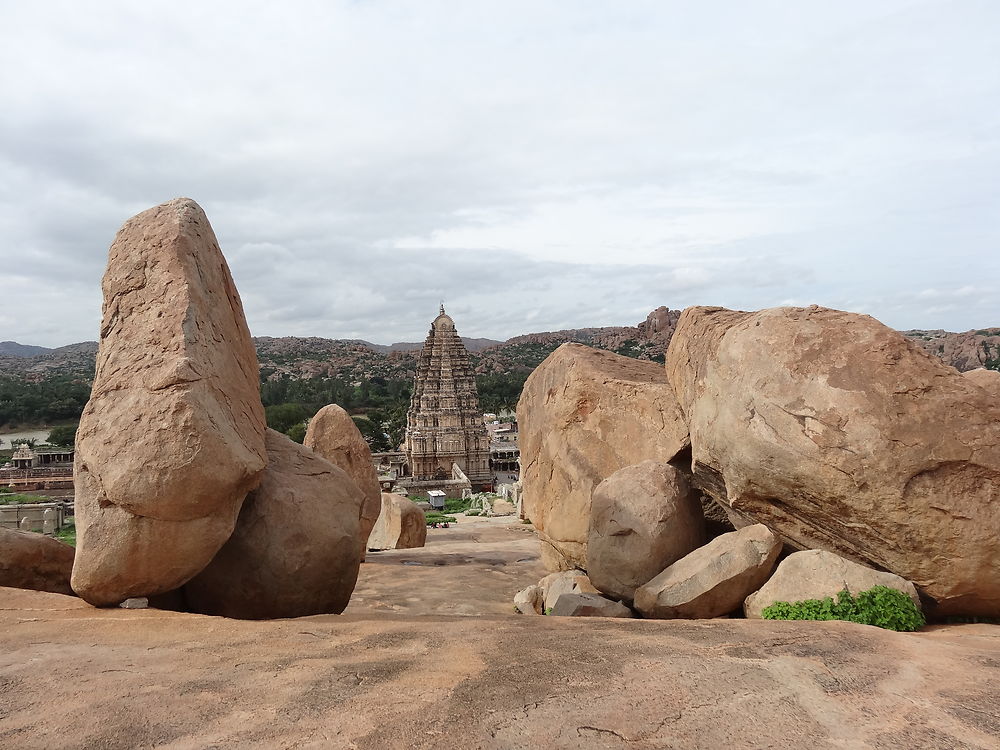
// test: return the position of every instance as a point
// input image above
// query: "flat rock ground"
(430, 654)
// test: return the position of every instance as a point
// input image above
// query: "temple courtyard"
(430, 654)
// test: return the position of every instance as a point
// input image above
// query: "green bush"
(880, 606)
(432, 516)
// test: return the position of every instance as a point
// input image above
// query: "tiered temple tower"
(445, 424)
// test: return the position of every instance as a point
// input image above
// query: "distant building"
(446, 440)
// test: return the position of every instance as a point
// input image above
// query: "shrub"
(433, 516)
(880, 606)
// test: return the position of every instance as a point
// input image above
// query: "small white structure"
(436, 499)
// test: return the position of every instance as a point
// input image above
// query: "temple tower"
(444, 424)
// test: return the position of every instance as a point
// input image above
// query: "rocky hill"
(356, 359)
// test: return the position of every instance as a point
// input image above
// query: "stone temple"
(446, 439)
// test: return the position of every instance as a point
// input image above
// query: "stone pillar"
(49, 522)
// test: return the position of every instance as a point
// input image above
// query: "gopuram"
(446, 446)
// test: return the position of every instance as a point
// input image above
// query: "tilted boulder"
(333, 435)
(294, 551)
(840, 434)
(33, 561)
(172, 438)
(817, 574)
(589, 605)
(583, 415)
(713, 580)
(400, 525)
(643, 519)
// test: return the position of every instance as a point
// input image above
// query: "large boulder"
(817, 574)
(840, 434)
(400, 525)
(713, 580)
(333, 435)
(294, 551)
(643, 519)
(33, 561)
(583, 415)
(172, 439)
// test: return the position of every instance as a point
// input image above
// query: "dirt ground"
(430, 655)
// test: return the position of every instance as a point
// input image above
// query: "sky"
(535, 165)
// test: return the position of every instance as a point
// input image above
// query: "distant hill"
(14, 349)
(354, 359)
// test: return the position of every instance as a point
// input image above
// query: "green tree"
(282, 417)
(297, 432)
(63, 435)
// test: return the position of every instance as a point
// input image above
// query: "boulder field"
(583, 415)
(830, 429)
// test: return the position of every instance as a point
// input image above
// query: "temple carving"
(444, 425)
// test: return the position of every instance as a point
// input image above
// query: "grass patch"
(16, 499)
(67, 534)
(433, 516)
(880, 606)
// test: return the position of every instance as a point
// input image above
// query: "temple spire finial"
(442, 307)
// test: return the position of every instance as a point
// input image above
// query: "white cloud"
(538, 165)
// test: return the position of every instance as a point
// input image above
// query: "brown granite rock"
(588, 605)
(333, 435)
(643, 518)
(530, 600)
(817, 574)
(172, 438)
(583, 415)
(840, 434)
(713, 580)
(555, 585)
(33, 561)
(294, 551)
(400, 525)
(987, 379)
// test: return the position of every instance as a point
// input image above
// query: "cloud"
(535, 165)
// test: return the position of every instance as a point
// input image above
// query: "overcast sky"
(537, 165)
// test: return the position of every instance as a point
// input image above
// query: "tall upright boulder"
(400, 524)
(333, 435)
(172, 439)
(294, 551)
(643, 519)
(839, 433)
(583, 415)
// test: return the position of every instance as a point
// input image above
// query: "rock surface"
(583, 414)
(400, 525)
(33, 561)
(555, 585)
(713, 580)
(530, 600)
(588, 605)
(817, 574)
(988, 379)
(126, 678)
(333, 435)
(172, 438)
(294, 551)
(643, 518)
(840, 434)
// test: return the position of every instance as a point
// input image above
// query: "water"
(39, 435)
